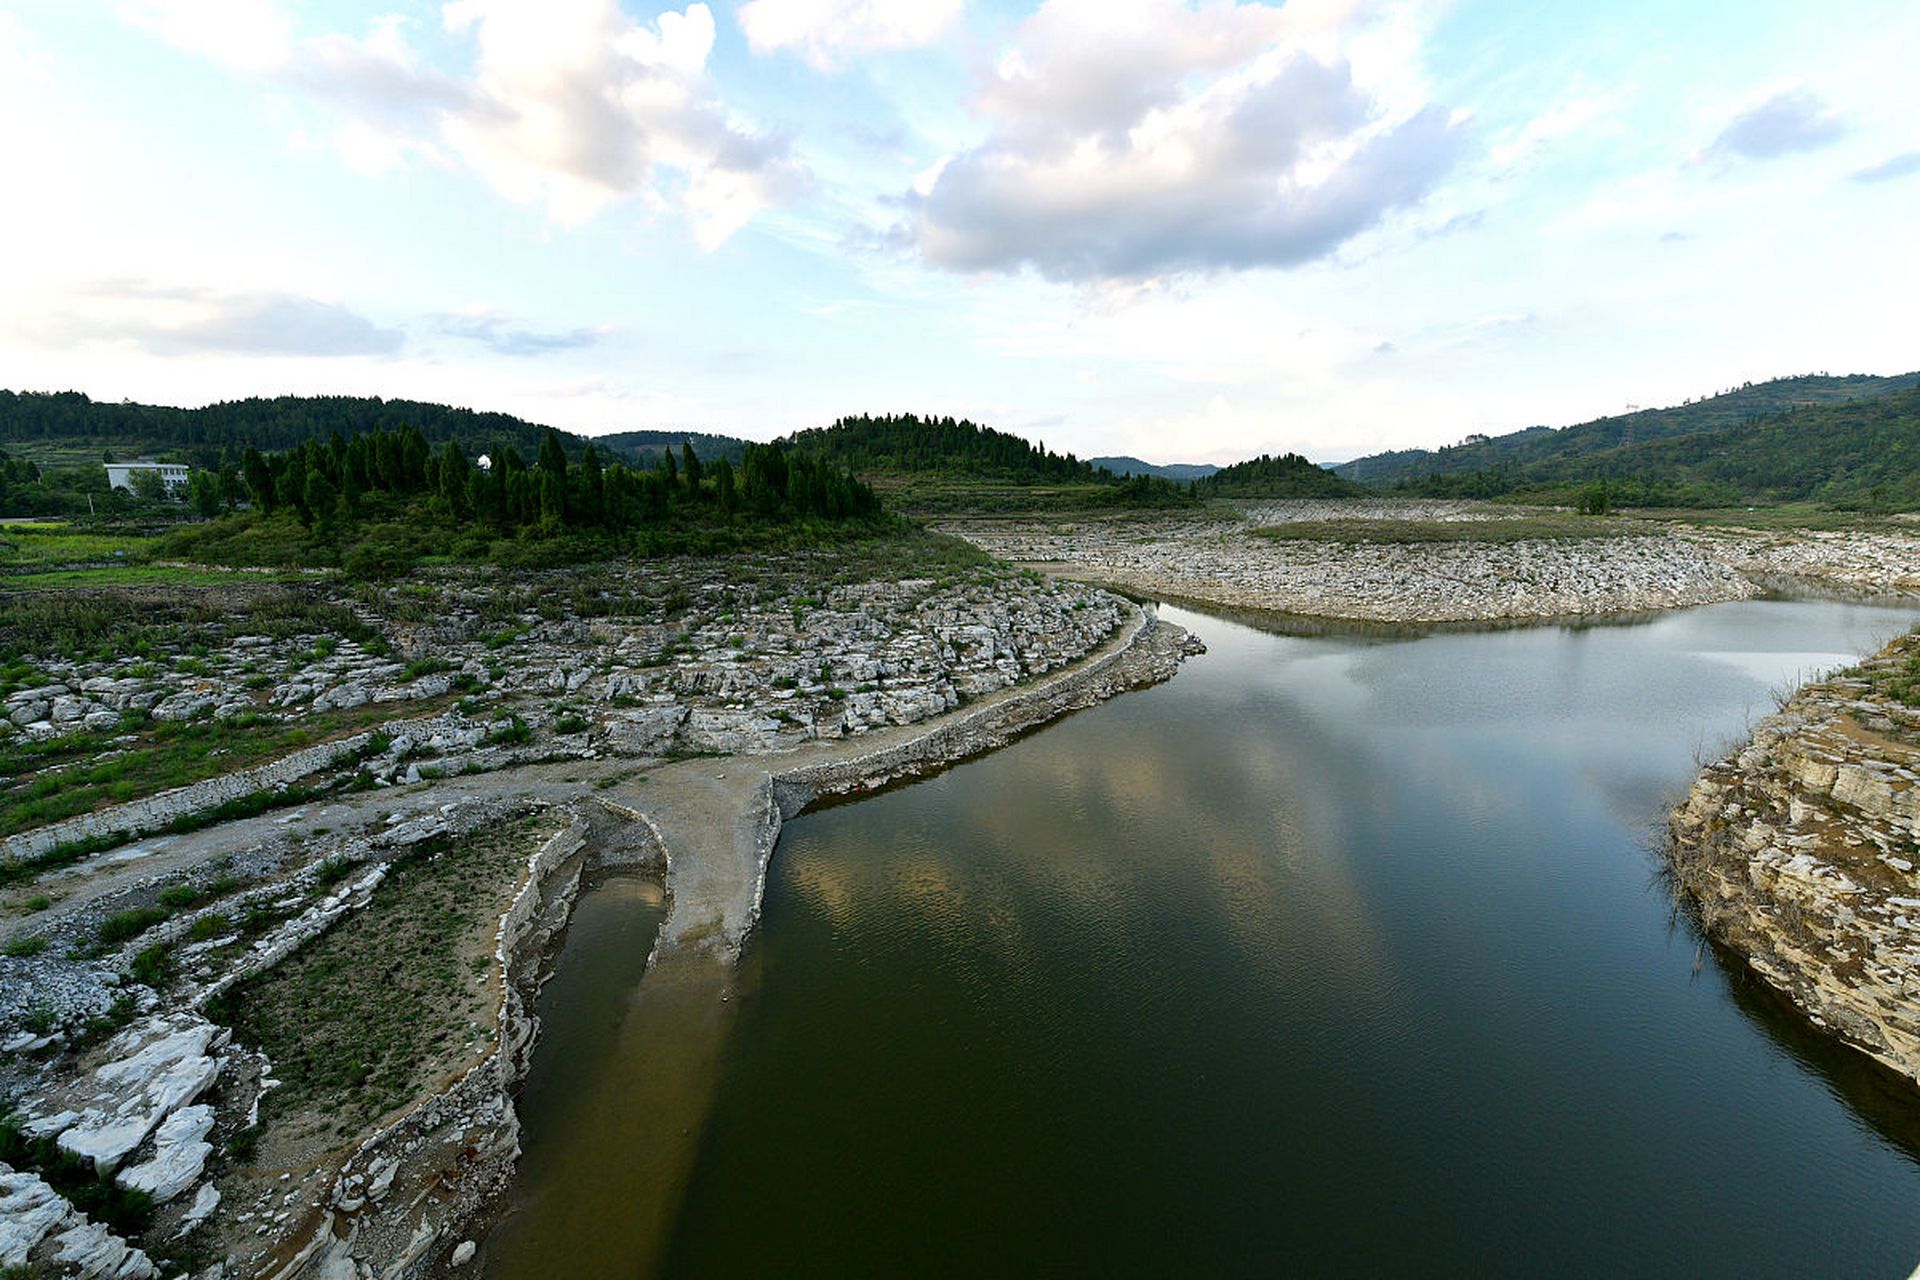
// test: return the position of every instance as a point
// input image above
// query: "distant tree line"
(330, 482)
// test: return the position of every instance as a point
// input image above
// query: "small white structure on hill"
(120, 474)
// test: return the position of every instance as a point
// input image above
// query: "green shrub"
(24, 947)
(127, 925)
(154, 965)
(207, 928)
(242, 1145)
(179, 897)
(372, 561)
(511, 732)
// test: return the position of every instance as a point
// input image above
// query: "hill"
(1860, 454)
(945, 465)
(909, 445)
(70, 427)
(1520, 451)
(1287, 476)
(1178, 472)
(647, 446)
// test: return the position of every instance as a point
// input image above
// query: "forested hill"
(1286, 476)
(1859, 454)
(1523, 451)
(650, 445)
(215, 434)
(909, 445)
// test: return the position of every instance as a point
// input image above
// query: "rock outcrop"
(1800, 850)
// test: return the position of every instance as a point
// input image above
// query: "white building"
(172, 474)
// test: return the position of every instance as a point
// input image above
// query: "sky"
(1187, 230)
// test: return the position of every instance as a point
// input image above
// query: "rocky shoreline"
(1799, 852)
(1472, 579)
(946, 681)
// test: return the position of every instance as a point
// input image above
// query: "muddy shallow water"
(1338, 954)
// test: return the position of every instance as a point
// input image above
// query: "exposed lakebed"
(1336, 955)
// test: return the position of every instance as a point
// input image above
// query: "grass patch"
(125, 926)
(23, 948)
(57, 542)
(1412, 532)
(1899, 678)
(179, 897)
(369, 1015)
(164, 755)
(140, 575)
(153, 967)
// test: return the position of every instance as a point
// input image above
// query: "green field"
(59, 542)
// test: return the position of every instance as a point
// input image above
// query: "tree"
(147, 484)
(690, 463)
(723, 487)
(1595, 499)
(452, 479)
(319, 498)
(259, 479)
(203, 491)
(593, 487)
(553, 456)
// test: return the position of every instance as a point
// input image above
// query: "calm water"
(1334, 956)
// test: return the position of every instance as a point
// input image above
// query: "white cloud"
(169, 319)
(1138, 138)
(567, 103)
(830, 33)
(249, 35)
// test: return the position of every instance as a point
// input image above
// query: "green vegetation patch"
(373, 1013)
(1897, 679)
(1405, 532)
(151, 624)
(138, 575)
(62, 777)
(57, 542)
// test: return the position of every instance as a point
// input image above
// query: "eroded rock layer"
(1799, 851)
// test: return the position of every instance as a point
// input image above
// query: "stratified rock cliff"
(1800, 850)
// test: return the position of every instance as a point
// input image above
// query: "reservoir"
(1339, 954)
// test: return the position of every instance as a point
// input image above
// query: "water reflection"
(1334, 956)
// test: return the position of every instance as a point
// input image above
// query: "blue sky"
(1183, 230)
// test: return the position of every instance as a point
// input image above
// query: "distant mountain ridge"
(1520, 450)
(1179, 472)
(285, 422)
(1859, 454)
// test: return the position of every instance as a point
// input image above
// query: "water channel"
(1338, 954)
